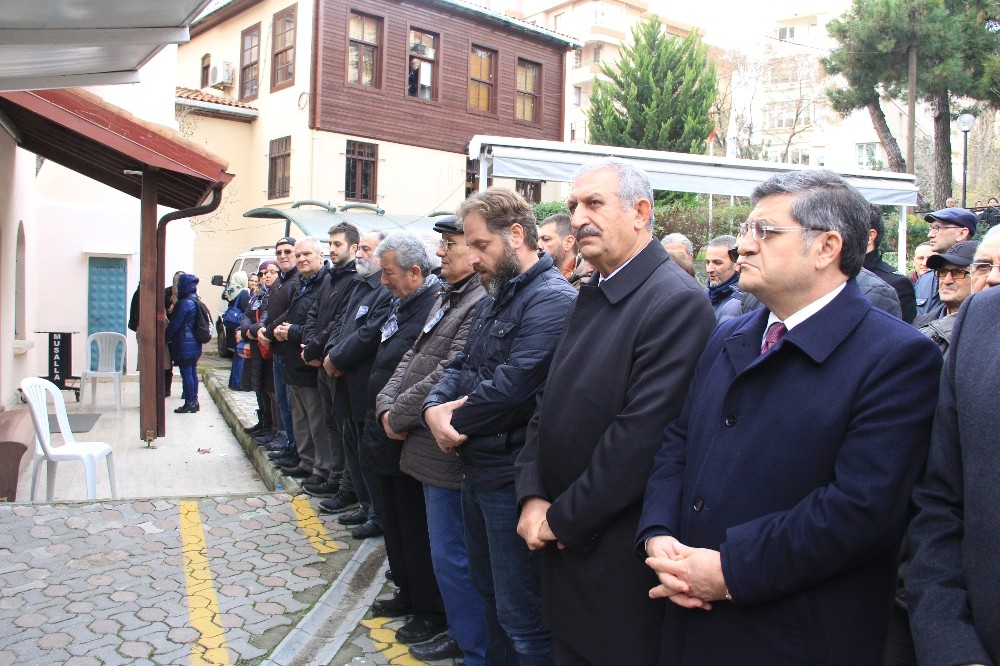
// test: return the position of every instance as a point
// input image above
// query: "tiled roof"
(199, 96)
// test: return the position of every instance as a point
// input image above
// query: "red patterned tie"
(774, 333)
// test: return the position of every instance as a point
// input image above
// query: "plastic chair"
(36, 391)
(107, 365)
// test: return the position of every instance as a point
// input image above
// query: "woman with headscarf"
(184, 347)
(238, 296)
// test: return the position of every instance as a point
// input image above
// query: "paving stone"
(30, 620)
(82, 661)
(135, 649)
(55, 640)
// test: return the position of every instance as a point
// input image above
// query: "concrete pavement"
(201, 563)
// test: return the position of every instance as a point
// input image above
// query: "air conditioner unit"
(221, 75)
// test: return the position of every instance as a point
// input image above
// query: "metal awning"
(529, 159)
(60, 44)
(80, 131)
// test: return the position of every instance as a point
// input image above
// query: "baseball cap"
(959, 216)
(287, 240)
(960, 254)
(448, 225)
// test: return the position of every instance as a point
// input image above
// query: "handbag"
(232, 317)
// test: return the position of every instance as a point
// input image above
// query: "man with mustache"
(626, 359)
(481, 407)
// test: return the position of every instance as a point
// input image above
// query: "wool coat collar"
(630, 278)
(818, 336)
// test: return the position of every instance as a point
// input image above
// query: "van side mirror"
(217, 281)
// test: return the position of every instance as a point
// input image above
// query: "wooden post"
(151, 315)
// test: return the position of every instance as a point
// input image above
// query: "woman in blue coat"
(184, 348)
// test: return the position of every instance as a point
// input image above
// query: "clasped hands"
(689, 577)
(438, 420)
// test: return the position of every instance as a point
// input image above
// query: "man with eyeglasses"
(948, 226)
(779, 496)
(986, 264)
(277, 307)
(954, 275)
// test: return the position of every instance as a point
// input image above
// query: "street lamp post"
(966, 122)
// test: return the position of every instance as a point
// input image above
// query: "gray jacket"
(442, 337)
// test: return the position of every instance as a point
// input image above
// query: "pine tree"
(659, 96)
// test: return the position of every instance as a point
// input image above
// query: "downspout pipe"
(161, 317)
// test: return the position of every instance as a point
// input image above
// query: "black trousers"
(408, 546)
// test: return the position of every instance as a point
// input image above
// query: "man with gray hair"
(634, 335)
(681, 250)
(723, 278)
(308, 421)
(406, 273)
(779, 497)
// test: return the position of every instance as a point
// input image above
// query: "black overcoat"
(619, 375)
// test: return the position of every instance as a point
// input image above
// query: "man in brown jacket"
(398, 408)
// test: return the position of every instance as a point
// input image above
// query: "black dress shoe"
(295, 472)
(188, 408)
(339, 501)
(283, 454)
(322, 489)
(257, 429)
(367, 530)
(359, 517)
(276, 445)
(391, 607)
(442, 647)
(419, 630)
(388, 576)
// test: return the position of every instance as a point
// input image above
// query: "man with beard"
(482, 405)
(633, 337)
(555, 236)
(331, 299)
(723, 278)
(350, 353)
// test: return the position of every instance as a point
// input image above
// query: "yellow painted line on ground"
(312, 526)
(203, 602)
(384, 640)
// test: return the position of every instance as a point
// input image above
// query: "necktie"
(774, 333)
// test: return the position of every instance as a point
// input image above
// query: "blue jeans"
(507, 575)
(463, 605)
(281, 397)
(189, 380)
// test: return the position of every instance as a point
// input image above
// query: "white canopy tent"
(527, 159)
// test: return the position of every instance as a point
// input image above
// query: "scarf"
(724, 290)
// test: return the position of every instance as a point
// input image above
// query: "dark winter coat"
(184, 348)
(899, 282)
(277, 306)
(619, 375)
(354, 342)
(502, 368)
(872, 287)
(797, 465)
(331, 301)
(295, 371)
(261, 370)
(383, 453)
(951, 584)
(442, 338)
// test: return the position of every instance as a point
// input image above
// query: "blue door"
(106, 298)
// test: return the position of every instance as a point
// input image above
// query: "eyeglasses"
(938, 227)
(956, 273)
(760, 231)
(981, 268)
(281, 252)
(446, 244)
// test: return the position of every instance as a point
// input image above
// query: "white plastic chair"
(36, 391)
(107, 348)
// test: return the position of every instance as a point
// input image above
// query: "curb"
(268, 471)
(320, 635)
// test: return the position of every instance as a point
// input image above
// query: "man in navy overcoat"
(777, 502)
